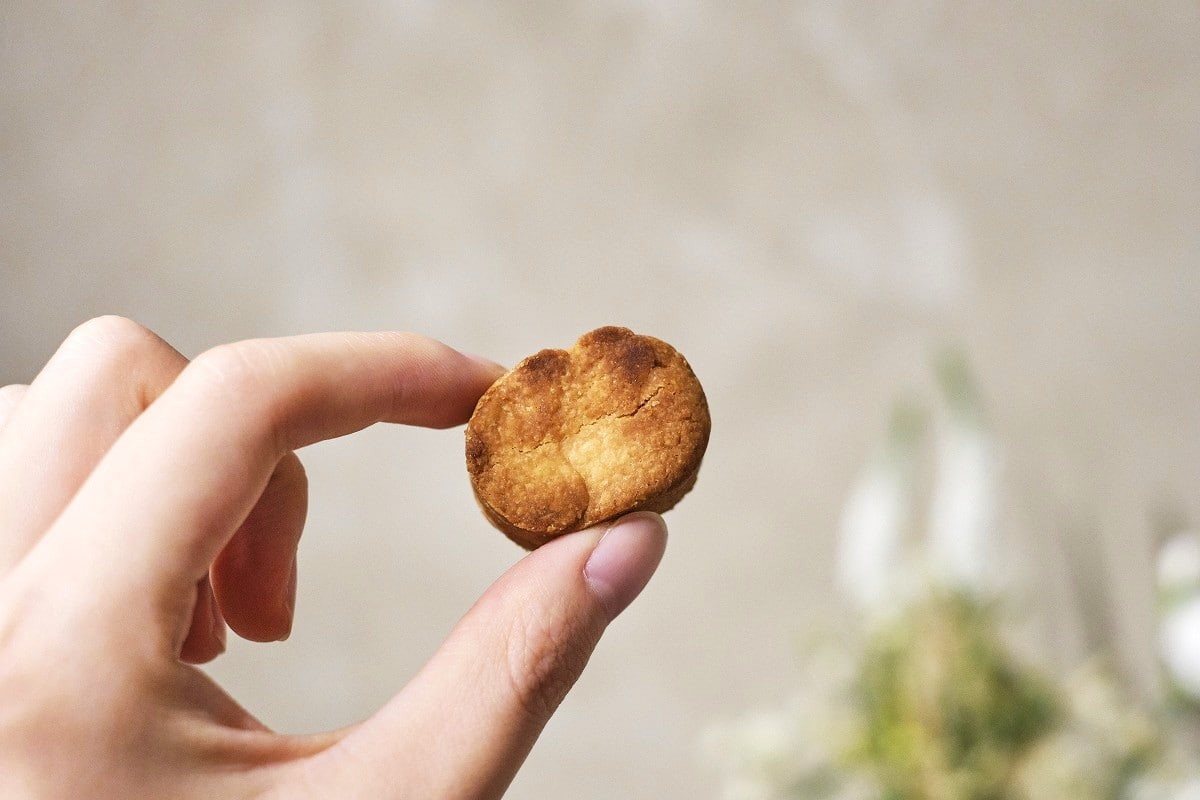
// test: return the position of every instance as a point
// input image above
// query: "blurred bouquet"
(931, 702)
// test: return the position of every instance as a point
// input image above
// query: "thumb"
(465, 724)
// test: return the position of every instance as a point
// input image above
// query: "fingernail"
(627, 555)
(289, 601)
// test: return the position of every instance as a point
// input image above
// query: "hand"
(146, 503)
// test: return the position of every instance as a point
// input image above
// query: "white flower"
(1179, 639)
(1188, 791)
(792, 753)
(761, 754)
(1179, 562)
(872, 523)
(870, 561)
(1163, 789)
(962, 515)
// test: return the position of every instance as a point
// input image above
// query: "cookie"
(570, 438)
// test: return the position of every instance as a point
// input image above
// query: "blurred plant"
(1179, 604)
(962, 518)
(1099, 747)
(944, 710)
(876, 517)
(930, 703)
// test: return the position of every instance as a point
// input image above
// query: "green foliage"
(946, 711)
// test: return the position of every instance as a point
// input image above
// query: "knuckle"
(119, 364)
(112, 334)
(231, 368)
(240, 375)
(11, 393)
(545, 656)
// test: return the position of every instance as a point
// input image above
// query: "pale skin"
(149, 502)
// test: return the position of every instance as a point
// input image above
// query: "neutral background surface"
(810, 200)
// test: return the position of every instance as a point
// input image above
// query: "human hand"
(146, 503)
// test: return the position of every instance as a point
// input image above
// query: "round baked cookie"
(571, 438)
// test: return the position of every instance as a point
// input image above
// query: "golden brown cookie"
(570, 438)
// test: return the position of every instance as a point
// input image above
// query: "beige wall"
(808, 199)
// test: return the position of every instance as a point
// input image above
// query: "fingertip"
(487, 372)
(254, 576)
(624, 560)
(288, 613)
(462, 377)
(205, 638)
(485, 363)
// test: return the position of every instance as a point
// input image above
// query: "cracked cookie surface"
(570, 438)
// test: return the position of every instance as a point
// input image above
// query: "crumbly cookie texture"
(571, 438)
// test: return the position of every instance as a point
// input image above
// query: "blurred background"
(812, 201)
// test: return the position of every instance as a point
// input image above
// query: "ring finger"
(9, 397)
(101, 378)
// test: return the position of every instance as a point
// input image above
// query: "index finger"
(168, 495)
